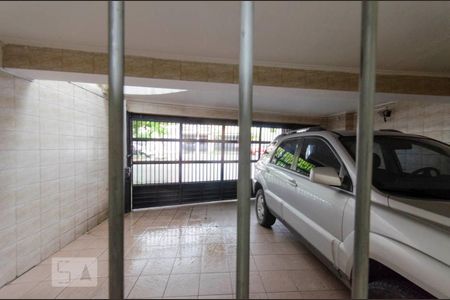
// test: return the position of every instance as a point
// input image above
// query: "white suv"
(307, 179)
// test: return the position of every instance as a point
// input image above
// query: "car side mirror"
(325, 175)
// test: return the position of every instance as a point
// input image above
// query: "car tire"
(395, 288)
(263, 214)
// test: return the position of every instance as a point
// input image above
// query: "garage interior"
(181, 134)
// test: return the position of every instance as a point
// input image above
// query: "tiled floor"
(189, 252)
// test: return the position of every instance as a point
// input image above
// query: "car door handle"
(292, 182)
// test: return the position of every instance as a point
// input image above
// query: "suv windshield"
(408, 166)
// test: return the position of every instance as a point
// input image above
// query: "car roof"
(349, 133)
(381, 132)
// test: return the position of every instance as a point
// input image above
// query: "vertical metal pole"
(364, 149)
(245, 124)
(116, 170)
(180, 161)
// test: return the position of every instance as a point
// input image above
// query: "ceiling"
(290, 101)
(414, 36)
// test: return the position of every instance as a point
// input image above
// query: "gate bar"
(116, 158)
(245, 124)
(364, 149)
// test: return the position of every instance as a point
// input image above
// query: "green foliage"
(148, 129)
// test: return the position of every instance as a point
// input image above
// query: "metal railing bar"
(360, 272)
(116, 153)
(245, 124)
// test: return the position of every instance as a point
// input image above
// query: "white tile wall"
(53, 169)
(430, 119)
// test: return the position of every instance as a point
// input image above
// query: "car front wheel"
(264, 216)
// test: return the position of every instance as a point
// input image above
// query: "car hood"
(432, 210)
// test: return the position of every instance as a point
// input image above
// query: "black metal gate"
(184, 160)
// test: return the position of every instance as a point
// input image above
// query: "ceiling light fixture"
(142, 90)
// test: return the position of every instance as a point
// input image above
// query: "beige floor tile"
(278, 237)
(102, 268)
(286, 295)
(326, 295)
(214, 249)
(88, 243)
(277, 281)
(137, 230)
(162, 222)
(231, 260)
(269, 262)
(149, 286)
(99, 232)
(301, 262)
(79, 253)
(37, 274)
(216, 297)
(129, 283)
(190, 250)
(142, 251)
(60, 253)
(275, 248)
(191, 240)
(163, 231)
(76, 292)
(214, 264)
(259, 229)
(256, 285)
(259, 238)
(134, 267)
(230, 249)
(170, 241)
(102, 290)
(215, 284)
(43, 290)
(290, 247)
(230, 238)
(164, 252)
(261, 248)
(330, 281)
(158, 266)
(258, 296)
(14, 291)
(188, 241)
(138, 252)
(184, 265)
(212, 239)
(307, 280)
(104, 256)
(153, 233)
(182, 285)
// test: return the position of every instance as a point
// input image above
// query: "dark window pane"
(316, 153)
(284, 154)
(409, 166)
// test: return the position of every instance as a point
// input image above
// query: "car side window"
(268, 151)
(284, 154)
(316, 153)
